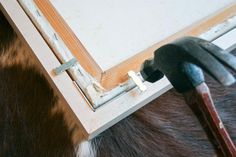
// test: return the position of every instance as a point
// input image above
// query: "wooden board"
(118, 35)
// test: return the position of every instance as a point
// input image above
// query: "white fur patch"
(85, 150)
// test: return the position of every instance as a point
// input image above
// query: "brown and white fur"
(33, 121)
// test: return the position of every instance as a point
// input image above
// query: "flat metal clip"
(65, 66)
(137, 80)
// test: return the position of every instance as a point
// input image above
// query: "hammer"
(182, 62)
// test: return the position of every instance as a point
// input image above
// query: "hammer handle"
(206, 106)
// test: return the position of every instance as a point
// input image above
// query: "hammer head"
(183, 60)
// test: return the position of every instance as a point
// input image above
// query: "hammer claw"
(212, 60)
(169, 59)
(223, 56)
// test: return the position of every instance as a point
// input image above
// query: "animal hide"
(30, 123)
(34, 121)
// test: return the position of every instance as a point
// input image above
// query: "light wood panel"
(114, 30)
(119, 73)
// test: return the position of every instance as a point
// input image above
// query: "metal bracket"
(65, 66)
(137, 80)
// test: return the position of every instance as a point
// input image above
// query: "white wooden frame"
(92, 122)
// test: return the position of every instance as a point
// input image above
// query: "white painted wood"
(114, 30)
(92, 122)
(227, 40)
(42, 54)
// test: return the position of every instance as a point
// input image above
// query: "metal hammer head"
(182, 61)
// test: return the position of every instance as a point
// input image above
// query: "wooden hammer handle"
(203, 99)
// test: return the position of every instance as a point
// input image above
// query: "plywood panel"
(114, 30)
